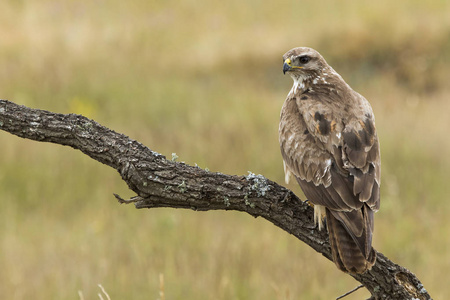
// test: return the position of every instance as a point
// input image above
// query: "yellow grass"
(204, 80)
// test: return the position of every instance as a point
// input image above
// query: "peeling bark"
(160, 182)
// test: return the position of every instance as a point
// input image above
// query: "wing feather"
(336, 162)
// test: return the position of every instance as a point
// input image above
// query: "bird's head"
(303, 62)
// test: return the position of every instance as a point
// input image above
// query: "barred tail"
(347, 255)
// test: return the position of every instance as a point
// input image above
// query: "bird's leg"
(319, 215)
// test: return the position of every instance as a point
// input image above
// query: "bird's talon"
(308, 202)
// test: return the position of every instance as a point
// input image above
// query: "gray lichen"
(260, 185)
(182, 187)
(226, 200)
(248, 203)
(174, 156)
(88, 125)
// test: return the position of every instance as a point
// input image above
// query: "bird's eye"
(304, 59)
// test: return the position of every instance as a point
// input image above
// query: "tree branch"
(159, 182)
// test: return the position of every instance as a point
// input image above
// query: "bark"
(161, 182)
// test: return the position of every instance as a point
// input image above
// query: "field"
(204, 81)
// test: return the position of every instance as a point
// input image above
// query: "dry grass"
(205, 81)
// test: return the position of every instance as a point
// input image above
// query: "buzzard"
(330, 146)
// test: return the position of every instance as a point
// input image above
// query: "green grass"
(205, 81)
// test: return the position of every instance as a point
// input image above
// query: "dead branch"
(161, 182)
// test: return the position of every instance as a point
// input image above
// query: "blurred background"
(204, 81)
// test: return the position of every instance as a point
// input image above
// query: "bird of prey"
(330, 146)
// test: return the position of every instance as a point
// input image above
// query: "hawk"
(330, 146)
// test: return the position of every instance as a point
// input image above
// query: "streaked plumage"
(330, 146)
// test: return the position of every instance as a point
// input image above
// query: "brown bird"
(329, 144)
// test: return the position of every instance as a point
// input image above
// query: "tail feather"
(345, 250)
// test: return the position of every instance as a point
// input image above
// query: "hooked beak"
(286, 67)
